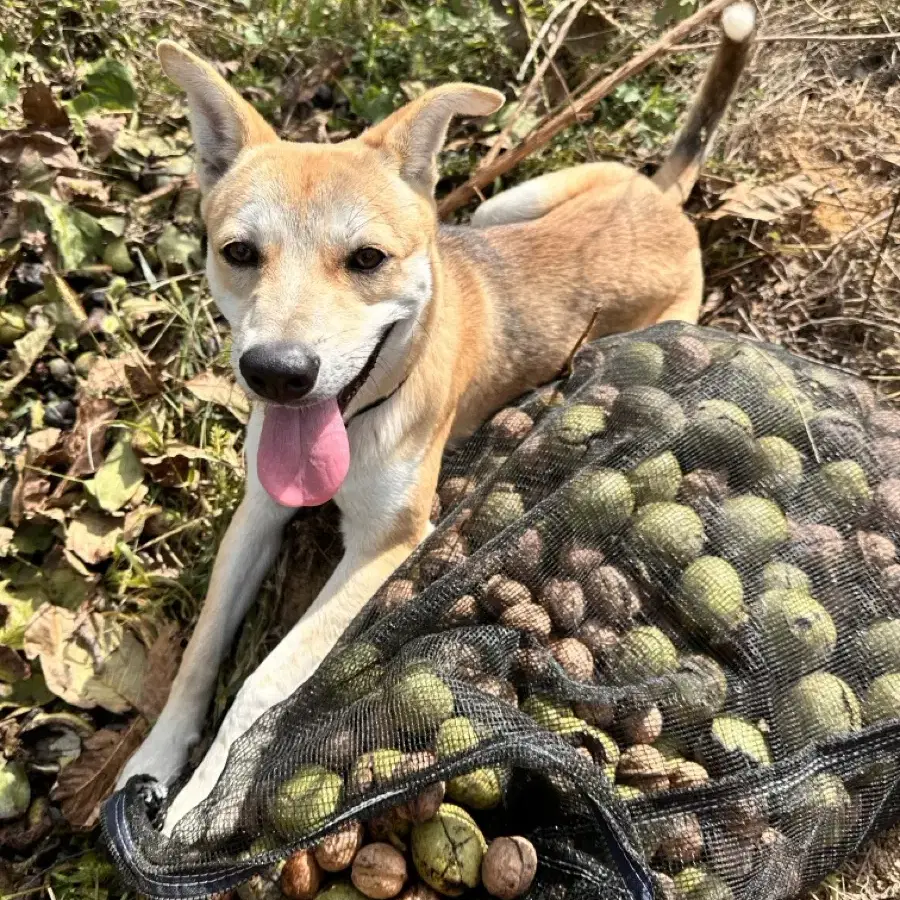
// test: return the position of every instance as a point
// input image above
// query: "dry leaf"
(87, 659)
(131, 373)
(15, 614)
(83, 446)
(118, 479)
(70, 189)
(55, 152)
(92, 536)
(162, 666)
(84, 784)
(12, 666)
(172, 467)
(41, 108)
(764, 202)
(23, 356)
(222, 391)
(102, 132)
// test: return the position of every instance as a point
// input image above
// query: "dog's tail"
(678, 173)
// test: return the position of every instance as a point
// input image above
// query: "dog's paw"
(152, 795)
(161, 758)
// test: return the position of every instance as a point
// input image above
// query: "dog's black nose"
(281, 372)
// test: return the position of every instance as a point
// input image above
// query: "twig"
(878, 259)
(533, 85)
(798, 38)
(553, 125)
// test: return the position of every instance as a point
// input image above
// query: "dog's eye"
(240, 253)
(366, 259)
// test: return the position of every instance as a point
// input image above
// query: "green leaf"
(108, 85)
(118, 478)
(77, 236)
(674, 11)
(177, 250)
(14, 615)
(23, 356)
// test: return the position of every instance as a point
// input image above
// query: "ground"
(119, 426)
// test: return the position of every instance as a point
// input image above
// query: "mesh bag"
(656, 631)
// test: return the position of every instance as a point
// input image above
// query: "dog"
(368, 336)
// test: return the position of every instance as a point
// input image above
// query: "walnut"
(528, 617)
(301, 876)
(574, 657)
(396, 593)
(379, 871)
(508, 867)
(502, 593)
(564, 601)
(336, 852)
(642, 727)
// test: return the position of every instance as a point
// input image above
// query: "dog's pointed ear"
(415, 133)
(222, 122)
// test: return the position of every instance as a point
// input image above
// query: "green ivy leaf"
(78, 237)
(118, 478)
(108, 85)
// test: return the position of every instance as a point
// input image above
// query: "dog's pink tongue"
(304, 454)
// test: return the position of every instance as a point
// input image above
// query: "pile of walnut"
(425, 850)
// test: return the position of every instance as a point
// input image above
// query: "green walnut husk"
(637, 362)
(777, 467)
(552, 715)
(578, 423)
(699, 691)
(718, 437)
(668, 533)
(340, 890)
(750, 529)
(781, 576)
(783, 411)
(818, 706)
(15, 792)
(421, 700)
(797, 630)
(447, 850)
(843, 486)
(647, 408)
(480, 789)
(355, 672)
(882, 699)
(694, 883)
(880, 646)
(824, 800)
(373, 768)
(499, 510)
(601, 498)
(304, 802)
(712, 597)
(736, 735)
(656, 479)
(760, 369)
(644, 652)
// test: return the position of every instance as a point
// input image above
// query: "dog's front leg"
(377, 541)
(245, 555)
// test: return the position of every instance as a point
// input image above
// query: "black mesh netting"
(657, 632)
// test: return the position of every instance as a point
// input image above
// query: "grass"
(819, 277)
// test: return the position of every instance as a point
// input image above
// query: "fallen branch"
(553, 125)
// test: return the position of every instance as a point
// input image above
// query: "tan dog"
(367, 336)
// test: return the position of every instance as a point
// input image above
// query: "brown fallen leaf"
(69, 189)
(131, 374)
(213, 388)
(55, 152)
(23, 356)
(29, 829)
(41, 108)
(12, 666)
(87, 659)
(32, 489)
(102, 132)
(92, 536)
(84, 784)
(83, 445)
(764, 202)
(172, 467)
